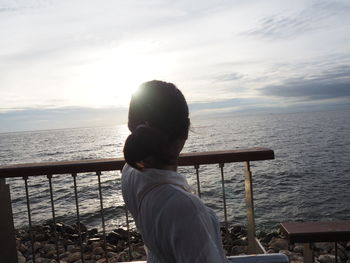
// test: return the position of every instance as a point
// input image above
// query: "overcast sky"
(69, 63)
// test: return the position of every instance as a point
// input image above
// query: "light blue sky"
(69, 63)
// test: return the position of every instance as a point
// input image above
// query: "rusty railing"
(8, 251)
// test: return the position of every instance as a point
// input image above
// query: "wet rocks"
(116, 248)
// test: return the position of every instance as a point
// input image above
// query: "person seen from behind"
(175, 224)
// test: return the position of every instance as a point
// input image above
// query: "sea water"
(309, 179)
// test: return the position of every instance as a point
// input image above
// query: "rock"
(286, 252)
(23, 248)
(49, 247)
(347, 245)
(296, 258)
(323, 247)
(98, 251)
(83, 228)
(21, 258)
(238, 250)
(342, 253)
(135, 255)
(64, 255)
(37, 246)
(70, 248)
(74, 257)
(94, 239)
(239, 242)
(41, 260)
(113, 238)
(123, 234)
(278, 244)
(40, 237)
(92, 232)
(298, 249)
(111, 254)
(239, 230)
(69, 229)
(326, 258)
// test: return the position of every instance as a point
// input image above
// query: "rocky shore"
(116, 247)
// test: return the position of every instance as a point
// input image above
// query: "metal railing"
(7, 239)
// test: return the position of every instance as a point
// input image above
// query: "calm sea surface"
(308, 180)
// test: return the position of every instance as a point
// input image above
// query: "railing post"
(250, 208)
(8, 251)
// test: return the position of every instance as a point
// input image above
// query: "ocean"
(308, 180)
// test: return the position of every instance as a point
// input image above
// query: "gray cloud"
(310, 18)
(334, 83)
(229, 77)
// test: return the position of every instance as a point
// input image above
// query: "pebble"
(278, 244)
(73, 257)
(326, 258)
(234, 241)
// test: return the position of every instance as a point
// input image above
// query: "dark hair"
(158, 117)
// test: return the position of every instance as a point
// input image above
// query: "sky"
(71, 63)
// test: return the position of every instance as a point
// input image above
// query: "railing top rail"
(82, 166)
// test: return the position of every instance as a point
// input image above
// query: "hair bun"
(144, 142)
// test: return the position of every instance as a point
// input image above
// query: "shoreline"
(117, 248)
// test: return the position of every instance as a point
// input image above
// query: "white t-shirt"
(175, 225)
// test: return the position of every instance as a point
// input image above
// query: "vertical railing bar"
(196, 166)
(250, 207)
(128, 230)
(336, 251)
(49, 176)
(25, 178)
(98, 173)
(221, 165)
(74, 175)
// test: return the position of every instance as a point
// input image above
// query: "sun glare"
(118, 72)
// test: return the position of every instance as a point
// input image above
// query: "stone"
(296, 258)
(74, 257)
(298, 249)
(278, 244)
(239, 230)
(64, 255)
(49, 247)
(135, 254)
(326, 258)
(98, 251)
(286, 252)
(238, 250)
(21, 258)
(70, 248)
(92, 232)
(111, 254)
(123, 234)
(323, 247)
(40, 237)
(113, 238)
(68, 229)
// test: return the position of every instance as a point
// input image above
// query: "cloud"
(230, 77)
(308, 19)
(330, 84)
